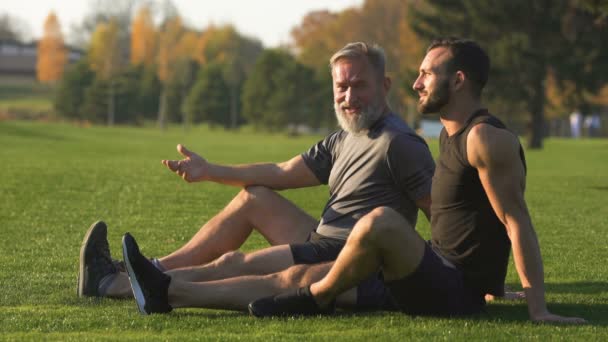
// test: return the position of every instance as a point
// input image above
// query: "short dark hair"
(466, 56)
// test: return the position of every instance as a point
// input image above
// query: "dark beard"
(436, 100)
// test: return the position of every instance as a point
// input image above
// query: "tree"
(126, 88)
(236, 53)
(321, 33)
(143, 38)
(12, 29)
(170, 35)
(209, 99)
(524, 48)
(70, 94)
(106, 60)
(149, 92)
(277, 92)
(104, 11)
(52, 54)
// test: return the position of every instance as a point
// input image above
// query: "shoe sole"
(135, 287)
(252, 311)
(82, 279)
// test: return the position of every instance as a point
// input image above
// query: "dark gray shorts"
(435, 288)
(372, 294)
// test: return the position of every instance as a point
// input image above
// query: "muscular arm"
(495, 154)
(293, 173)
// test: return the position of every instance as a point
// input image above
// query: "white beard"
(358, 123)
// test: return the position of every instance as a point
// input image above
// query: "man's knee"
(381, 223)
(254, 192)
(230, 259)
(302, 275)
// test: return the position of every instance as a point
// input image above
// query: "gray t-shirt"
(390, 166)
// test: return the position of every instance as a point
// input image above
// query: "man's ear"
(458, 80)
(387, 84)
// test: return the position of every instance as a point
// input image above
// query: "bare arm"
(293, 173)
(495, 154)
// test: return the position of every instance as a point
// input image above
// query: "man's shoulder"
(488, 143)
(400, 133)
(395, 124)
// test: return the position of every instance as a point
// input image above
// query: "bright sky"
(268, 20)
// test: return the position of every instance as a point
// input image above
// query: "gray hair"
(374, 53)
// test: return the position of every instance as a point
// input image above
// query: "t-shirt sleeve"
(320, 157)
(411, 165)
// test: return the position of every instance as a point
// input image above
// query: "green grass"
(56, 179)
(24, 97)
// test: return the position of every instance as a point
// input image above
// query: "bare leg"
(232, 264)
(260, 208)
(380, 239)
(236, 293)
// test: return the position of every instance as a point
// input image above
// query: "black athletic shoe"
(294, 303)
(95, 260)
(150, 286)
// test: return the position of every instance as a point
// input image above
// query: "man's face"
(359, 94)
(432, 84)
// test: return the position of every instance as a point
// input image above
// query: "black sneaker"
(95, 261)
(294, 303)
(150, 286)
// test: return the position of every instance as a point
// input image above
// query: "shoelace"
(107, 265)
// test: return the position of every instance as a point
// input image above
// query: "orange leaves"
(52, 54)
(144, 40)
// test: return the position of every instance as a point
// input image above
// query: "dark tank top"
(464, 227)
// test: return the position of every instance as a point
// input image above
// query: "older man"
(374, 160)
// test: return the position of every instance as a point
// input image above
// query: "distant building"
(20, 59)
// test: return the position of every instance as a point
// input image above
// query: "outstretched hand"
(192, 168)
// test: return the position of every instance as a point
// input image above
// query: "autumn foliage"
(52, 54)
(144, 40)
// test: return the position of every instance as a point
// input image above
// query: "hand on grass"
(192, 168)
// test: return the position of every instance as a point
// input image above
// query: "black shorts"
(435, 288)
(371, 292)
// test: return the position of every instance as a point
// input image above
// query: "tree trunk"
(233, 107)
(111, 105)
(162, 109)
(185, 119)
(536, 104)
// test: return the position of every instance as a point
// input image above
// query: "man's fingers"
(171, 164)
(183, 150)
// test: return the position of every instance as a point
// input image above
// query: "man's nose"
(349, 95)
(417, 84)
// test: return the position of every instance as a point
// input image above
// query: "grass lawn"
(24, 97)
(57, 179)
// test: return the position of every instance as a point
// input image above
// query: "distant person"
(592, 125)
(478, 212)
(374, 160)
(576, 123)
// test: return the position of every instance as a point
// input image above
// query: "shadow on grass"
(496, 312)
(585, 287)
(599, 188)
(11, 130)
(595, 314)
